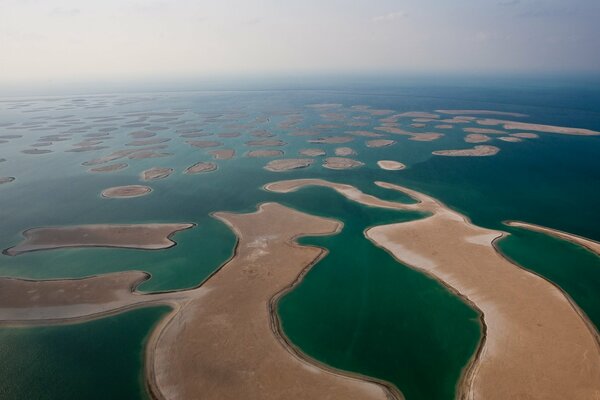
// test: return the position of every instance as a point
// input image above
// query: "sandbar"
(133, 236)
(109, 168)
(288, 164)
(124, 192)
(537, 343)
(341, 163)
(200, 167)
(477, 151)
(589, 244)
(156, 173)
(264, 153)
(390, 165)
(224, 154)
(379, 143)
(513, 125)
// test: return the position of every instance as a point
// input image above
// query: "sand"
(480, 112)
(426, 137)
(477, 151)
(525, 135)
(484, 131)
(138, 236)
(477, 138)
(200, 167)
(332, 140)
(6, 179)
(147, 142)
(224, 154)
(538, 344)
(444, 126)
(510, 139)
(589, 244)
(264, 153)
(344, 152)
(156, 173)
(421, 137)
(125, 192)
(266, 142)
(312, 152)
(288, 164)
(513, 125)
(390, 165)
(341, 163)
(140, 155)
(202, 144)
(364, 133)
(418, 125)
(141, 134)
(36, 151)
(195, 134)
(109, 168)
(379, 143)
(226, 342)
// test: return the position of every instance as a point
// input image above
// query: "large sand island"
(537, 343)
(477, 151)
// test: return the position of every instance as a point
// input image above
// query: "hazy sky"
(78, 40)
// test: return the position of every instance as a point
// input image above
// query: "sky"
(82, 40)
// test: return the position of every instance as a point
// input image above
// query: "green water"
(101, 359)
(361, 311)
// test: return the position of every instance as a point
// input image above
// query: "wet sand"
(264, 153)
(125, 192)
(477, 151)
(390, 165)
(513, 125)
(142, 236)
(589, 244)
(537, 343)
(379, 143)
(224, 154)
(288, 164)
(200, 167)
(341, 163)
(109, 168)
(156, 173)
(226, 343)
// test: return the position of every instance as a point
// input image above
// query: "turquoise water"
(382, 318)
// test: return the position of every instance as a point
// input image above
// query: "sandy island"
(155, 173)
(379, 143)
(510, 139)
(484, 131)
(312, 152)
(288, 164)
(200, 167)
(264, 153)
(477, 151)
(525, 135)
(341, 163)
(224, 154)
(390, 165)
(109, 168)
(589, 244)
(477, 138)
(344, 151)
(537, 343)
(139, 236)
(266, 142)
(202, 144)
(514, 125)
(332, 140)
(125, 192)
(480, 112)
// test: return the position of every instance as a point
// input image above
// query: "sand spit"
(6, 179)
(344, 152)
(341, 163)
(200, 167)
(589, 244)
(477, 151)
(224, 154)
(312, 152)
(226, 343)
(477, 138)
(288, 164)
(109, 168)
(138, 236)
(513, 125)
(538, 345)
(125, 192)
(481, 112)
(264, 153)
(266, 142)
(156, 173)
(202, 144)
(379, 143)
(390, 165)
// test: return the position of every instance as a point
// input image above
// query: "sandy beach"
(589, 244)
